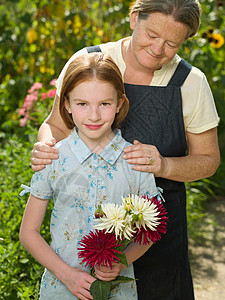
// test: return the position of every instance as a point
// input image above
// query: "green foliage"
(19, 273)
(37, 38)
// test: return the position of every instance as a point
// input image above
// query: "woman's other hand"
(145, 158)
(42, 154)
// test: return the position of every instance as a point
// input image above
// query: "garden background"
(37, 38)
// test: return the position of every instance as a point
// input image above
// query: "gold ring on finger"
(150, 161)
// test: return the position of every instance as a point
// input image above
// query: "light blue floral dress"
(78, 181)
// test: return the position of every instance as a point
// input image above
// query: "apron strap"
(181, 73)
(93, 49)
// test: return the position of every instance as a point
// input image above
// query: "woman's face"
(156, 40)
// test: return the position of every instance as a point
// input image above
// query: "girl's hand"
(42, 154)
(106, 273)
(78, 283)
(145, 158)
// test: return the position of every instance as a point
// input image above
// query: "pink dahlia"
(146, 235)
(99, 247)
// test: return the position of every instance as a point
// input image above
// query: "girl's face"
(156, 40)
(93, 105)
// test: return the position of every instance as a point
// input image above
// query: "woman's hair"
(86, 68)
(187, 12)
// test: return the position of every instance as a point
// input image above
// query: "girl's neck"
(97, 145)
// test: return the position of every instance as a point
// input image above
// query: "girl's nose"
(94, 114)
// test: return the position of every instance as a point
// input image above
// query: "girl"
(90, 171)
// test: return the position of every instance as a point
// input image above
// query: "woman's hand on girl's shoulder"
(145, 158)
(42, 154)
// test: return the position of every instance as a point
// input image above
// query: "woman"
(171, 109)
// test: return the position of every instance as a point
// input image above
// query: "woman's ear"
(119, 104)
(67, 105)
(133, 20)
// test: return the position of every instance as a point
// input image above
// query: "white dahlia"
(115, 220)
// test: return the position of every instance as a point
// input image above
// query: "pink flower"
(22, 111)
(99, 247)
(23, 122)
(35, 86)
(44, 96)
(53, 82)
(144, 236)
(51, 93)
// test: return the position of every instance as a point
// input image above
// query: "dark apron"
(156, 117)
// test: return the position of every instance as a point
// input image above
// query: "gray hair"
(187, 12)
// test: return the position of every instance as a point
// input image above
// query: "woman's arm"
(76, 280)
(202, 160)
(53, 126)
(51, 131)
(133, 251)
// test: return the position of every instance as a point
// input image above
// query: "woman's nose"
(157, 46)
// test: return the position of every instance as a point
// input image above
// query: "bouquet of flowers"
(138, 219)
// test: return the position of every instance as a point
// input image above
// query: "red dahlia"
(99, 247)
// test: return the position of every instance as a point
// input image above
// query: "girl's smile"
(93, 127)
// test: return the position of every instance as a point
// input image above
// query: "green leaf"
(24, 260)
(122, 258)
(100, 290)
(122, 279)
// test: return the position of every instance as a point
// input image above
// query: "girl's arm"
(133, 251)
(76, 280)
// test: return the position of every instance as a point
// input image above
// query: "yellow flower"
(32, 35)
(217, 40)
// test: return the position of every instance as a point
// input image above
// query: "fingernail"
(125, 156)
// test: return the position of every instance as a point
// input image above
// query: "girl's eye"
(81, 104)
(105, 103)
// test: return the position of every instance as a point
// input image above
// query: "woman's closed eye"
(170, 45)
(151, 36)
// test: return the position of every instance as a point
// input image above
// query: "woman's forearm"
(190, 168)
(53, 126)
(48, 131)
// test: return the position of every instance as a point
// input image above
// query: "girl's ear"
(119, 104)
(133, 20)
(67, 105)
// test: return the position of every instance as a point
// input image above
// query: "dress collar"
(110, 153)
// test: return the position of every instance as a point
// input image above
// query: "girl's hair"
(187, 12)
(86, 68)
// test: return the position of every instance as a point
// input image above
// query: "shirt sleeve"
(199, 108)
(59, 81)
(147, 185)
(40, 184)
